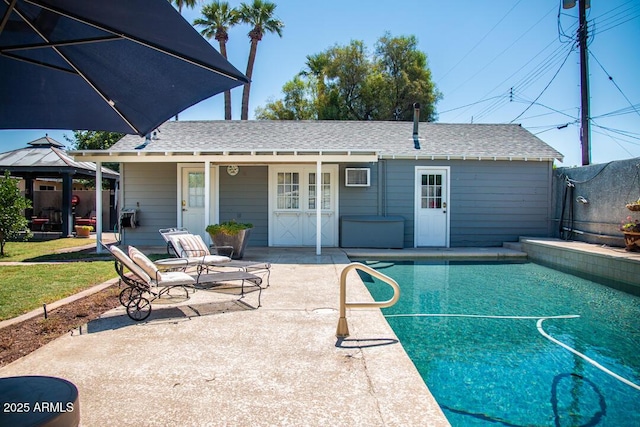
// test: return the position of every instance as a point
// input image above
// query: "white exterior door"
(431, 213)
(192, 201)
(293, 205)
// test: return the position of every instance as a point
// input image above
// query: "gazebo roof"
(46, 157)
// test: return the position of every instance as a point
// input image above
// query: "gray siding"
(496, 202)
(359, 200)
(152, 187)
(491, 201)
(244, 198)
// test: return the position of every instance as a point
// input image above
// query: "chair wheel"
(139, 308)
(128, 294)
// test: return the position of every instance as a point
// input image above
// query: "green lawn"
(26, 287)
(37, 251)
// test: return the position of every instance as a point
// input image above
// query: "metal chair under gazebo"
(45, 159)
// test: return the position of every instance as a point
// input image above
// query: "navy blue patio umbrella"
(115, 65)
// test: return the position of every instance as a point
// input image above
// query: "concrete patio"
(216, 361)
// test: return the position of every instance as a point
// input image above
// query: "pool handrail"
(343, 329)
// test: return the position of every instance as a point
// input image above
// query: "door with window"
(431, 213)
(193, 199)
(294, 202)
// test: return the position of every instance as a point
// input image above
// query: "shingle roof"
(47, 155)
(389, 139)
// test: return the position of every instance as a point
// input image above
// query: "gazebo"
(45, 158)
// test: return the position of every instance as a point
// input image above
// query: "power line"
(616, 20)
(619, 112)
(545, 88)
(469, 105)
(480, 41)
(502, 52)
(614, 83)
(544, 65)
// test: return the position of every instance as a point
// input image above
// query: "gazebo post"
(28, 193)
(99, 207)
(67, 217)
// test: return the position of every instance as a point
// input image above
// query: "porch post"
(98, 207)
(207, 195)
(319, 207)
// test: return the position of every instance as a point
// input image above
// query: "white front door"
(192, 202)
(293, 205)
(431, 200)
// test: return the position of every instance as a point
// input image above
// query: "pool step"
(516, 246)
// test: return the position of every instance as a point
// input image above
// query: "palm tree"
(180, 3)
(260, 15)
(218, 18)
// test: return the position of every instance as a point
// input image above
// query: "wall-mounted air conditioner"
(357, 177)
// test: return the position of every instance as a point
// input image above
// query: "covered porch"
(299, 209)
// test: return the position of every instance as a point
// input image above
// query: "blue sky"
(477, 51)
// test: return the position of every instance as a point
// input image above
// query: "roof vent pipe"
(416, 120)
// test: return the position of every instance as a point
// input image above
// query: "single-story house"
(440, 185)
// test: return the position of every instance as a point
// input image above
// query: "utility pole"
(585, 127)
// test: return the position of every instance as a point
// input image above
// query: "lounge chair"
(147, 283)
(194, 250)
(141, 287)
(202, 281)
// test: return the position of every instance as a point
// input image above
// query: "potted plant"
(83, 230)
(631, 230)
(634, 206)
(231, 234)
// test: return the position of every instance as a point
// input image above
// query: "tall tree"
(346, 83)
(218, 18)
(95, 140)
(297, 104)
(260, 15)
(180, 3)
(407, 78)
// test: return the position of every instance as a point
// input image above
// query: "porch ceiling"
(262, 156)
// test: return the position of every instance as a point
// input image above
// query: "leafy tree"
(347, 83)
(218, 18)
(12, 206)
(260, 15)
(297, 104)
(95, 140)
(407, 79)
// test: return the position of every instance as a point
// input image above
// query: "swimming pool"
(517, 343)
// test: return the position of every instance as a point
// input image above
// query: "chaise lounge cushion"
(145, 263)
(127, 262)
(193, 245)
(170, 278)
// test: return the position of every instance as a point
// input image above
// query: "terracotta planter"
(632, 240)
(238, 242)
(83, 231)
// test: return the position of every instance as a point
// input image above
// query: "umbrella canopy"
(118, 65)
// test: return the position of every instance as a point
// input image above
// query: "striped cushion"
(193, 245)
(132, 266)
(144, 263)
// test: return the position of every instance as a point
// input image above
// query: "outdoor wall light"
(582, 200)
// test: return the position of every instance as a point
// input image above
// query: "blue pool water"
(502, 371)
